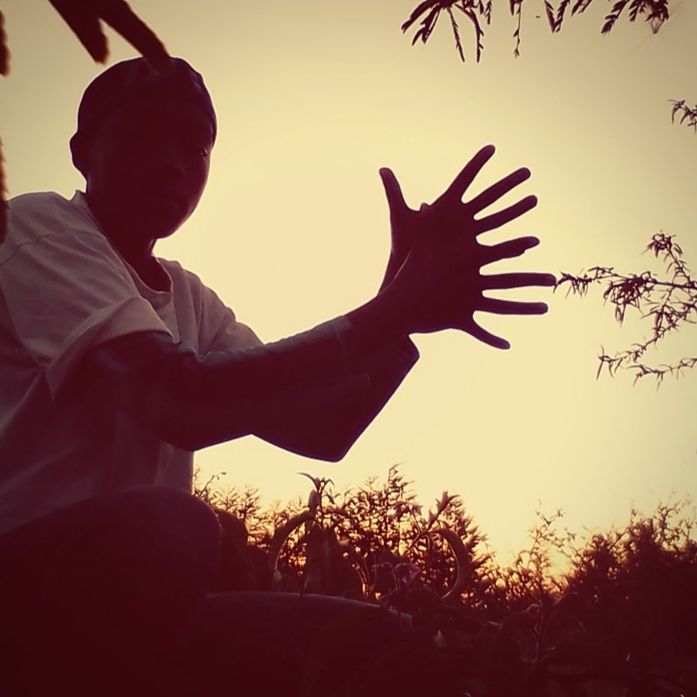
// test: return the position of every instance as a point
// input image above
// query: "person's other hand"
(436, 260)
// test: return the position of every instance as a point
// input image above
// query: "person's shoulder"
(29, 219)
(33, 214)
(43, 215)
(36, 203)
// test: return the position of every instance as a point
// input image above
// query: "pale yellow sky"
(312, 99)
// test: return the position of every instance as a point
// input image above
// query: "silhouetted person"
(117, 365)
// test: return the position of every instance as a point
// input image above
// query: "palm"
(453, 221)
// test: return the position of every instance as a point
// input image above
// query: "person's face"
(148, 164)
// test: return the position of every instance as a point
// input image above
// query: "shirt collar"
(158, 297)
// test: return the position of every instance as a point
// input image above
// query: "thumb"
(393, 192)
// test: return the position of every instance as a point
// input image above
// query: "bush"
(619, 621)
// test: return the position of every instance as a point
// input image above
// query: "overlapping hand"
(436, 258)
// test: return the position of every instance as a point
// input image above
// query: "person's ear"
(79, 152)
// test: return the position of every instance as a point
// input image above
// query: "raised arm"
(313, 393)
(193, 401)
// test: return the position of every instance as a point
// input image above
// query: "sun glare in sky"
(312, 99)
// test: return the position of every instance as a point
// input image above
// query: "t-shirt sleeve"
(66, 291)
(223, 332)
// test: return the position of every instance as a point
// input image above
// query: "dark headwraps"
(128, 81)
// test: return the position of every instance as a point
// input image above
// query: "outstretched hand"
(440, 240)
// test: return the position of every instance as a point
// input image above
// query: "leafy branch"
(687, 114)
(620, 615)
(476, 11)
(479, 12)
(669, 302)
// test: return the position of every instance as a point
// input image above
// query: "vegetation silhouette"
(617, 619)
(669, 301)
(479, 13)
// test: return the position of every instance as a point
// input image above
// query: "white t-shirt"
(63, 289)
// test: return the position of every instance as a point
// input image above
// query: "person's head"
(143, 144)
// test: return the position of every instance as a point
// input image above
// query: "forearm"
(329, 425)
(381, 322)
(193, 401)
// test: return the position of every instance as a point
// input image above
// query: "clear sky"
(312, 99)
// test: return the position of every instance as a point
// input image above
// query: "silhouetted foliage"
(618, 621)
(428, 12)
(669, 302)
(4, 69)
(479, 13)
(687, 114)
(4, 50)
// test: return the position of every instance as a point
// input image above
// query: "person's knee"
(129, 570)
(174, 509)
(154, 533)
(174, 522)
